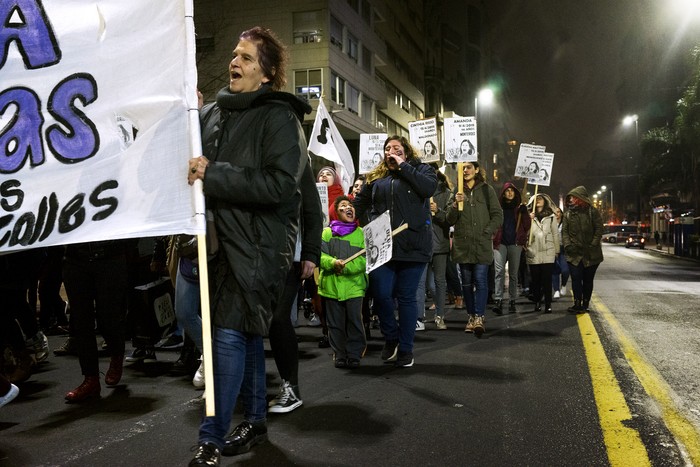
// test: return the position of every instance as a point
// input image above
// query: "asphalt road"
(528, 393)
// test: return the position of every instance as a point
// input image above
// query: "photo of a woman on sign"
(466, 148)
(429, 149)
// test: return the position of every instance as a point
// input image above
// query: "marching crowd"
(268, 249)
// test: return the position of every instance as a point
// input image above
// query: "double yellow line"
(623, 444)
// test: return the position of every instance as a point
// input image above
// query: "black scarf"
(240, 100)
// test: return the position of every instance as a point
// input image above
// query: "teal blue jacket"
(352, 281)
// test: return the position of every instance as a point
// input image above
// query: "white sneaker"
(198, 379)
(556, 295)
(420, 326)
(314, 320)
(563, 290)
(39, 345)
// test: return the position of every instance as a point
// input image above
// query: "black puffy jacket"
(258, 153)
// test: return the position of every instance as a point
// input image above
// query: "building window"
(336, 33)
(337, 89)
(308, 83)
(307, 26)
(366, 59)
(353, 47)
(366, 109)
(366, 11)
(353, 100)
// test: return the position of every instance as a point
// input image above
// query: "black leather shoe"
(353, 363)
(207, 454)
(243, 437)
(341, 363)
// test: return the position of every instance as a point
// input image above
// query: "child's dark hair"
(339, 199)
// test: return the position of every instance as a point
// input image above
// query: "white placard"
(529, 158)
(424, 137)
(371, 151)
(378, 241)
(460, 139)
(323, 194)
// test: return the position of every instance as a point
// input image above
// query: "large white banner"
(96, 126)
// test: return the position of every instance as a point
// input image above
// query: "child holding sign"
(343, 285)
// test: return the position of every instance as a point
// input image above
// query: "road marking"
(623, 444)
(656, 387)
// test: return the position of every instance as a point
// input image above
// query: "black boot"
(584, 306)
(547, 307)
(538, 307)
(576, 308)
(498, 309)
(511, 306)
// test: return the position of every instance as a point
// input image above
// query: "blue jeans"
(239, 366)
(397, 279)
(187, 308)
(433, 279)
(475, 288)
(560, 275)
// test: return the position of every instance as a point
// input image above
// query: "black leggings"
(283, 339)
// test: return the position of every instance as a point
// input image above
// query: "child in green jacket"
(343, 284)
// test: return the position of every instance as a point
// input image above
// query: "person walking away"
(542, 250)
(581, 232)
(343, 285)
(402, 185)
(254, 156)
(474, 228)
(508, 243)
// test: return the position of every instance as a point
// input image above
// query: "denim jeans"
(397, 279)
(239, 367)
(187, 308)
(475, 289)
(506, 254)
(433, 278)
(582, 280)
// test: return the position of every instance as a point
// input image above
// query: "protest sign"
(460, 139)
(545, 162)
(378, 241)
(323, 194)
(529, 158)
(371, 151)
(95, 124)
(424, 137)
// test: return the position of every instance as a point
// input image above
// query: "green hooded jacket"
(582, 229)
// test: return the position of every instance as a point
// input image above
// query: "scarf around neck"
(341, 229)
(240, 100)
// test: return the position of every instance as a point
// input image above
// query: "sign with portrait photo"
(424, 137)
(544, 162)
(460, 139)
(378, 241)
(529, 160)
(371, 151)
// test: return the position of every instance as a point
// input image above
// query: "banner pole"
(460, 184)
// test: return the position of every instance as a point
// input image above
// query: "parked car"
(635, 240)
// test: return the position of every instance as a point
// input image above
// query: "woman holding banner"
(402, 185)
(474, 227)
(254, 156)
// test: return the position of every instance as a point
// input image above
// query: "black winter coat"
(258, 154)
(406, 194)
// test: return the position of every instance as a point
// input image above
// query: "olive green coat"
(581, 232)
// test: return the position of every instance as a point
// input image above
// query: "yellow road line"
(656, 387)
(623, 444)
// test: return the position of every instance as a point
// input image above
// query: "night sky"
(565, 64)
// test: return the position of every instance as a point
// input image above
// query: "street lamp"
(485, 97)
(611, 207)
(627, 121)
